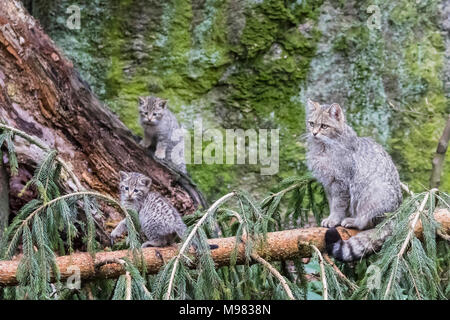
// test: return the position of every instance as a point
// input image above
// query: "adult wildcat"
(360, 180)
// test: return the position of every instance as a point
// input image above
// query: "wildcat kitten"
(162, 133)
(160, 221)
(360, 180)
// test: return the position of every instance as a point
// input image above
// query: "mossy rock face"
(252, 64)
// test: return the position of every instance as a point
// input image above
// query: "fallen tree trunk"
(281, 245)
(42, 94)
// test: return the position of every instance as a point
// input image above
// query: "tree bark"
(438, 160)
(43, 95)
(281, 245)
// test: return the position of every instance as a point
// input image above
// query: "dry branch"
(439, 157)
(280, 245)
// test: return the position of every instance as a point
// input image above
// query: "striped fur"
(160, 221)
(361, 245)
(163, 135)
(361, 181)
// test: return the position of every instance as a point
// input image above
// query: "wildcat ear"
(123, 175)
(141, 100)
(145, 181)
(311, 105)
(164, 104)
(336, 112)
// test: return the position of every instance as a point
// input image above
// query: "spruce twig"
(37, 142)
(188, 240)
(339, 272)
(414, 221)
(322, 272)
(128, 286)
(282, 192)
(255, 256)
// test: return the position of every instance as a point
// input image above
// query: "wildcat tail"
(357, 247)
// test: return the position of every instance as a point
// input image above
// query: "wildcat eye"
(324, 126)
(135, 190)
(126, 188)
(311, 124)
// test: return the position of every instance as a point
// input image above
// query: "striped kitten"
(359, 177)
(160, 221)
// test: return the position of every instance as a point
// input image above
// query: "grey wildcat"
(162, 133)
(160, 221)
(360, 180)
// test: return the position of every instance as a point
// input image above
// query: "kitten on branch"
(160, 221)
(163, 136)
(360, 180)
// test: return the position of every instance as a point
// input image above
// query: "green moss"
(256, 80)
(266, 83)
(417, 143)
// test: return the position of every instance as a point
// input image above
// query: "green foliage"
(131, 285)
(411, 273)
(51, 223)
(218, 60)
(6, 138)
(48, 224)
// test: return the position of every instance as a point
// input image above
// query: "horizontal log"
(281, 245)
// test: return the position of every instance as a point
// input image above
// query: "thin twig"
(413, 281)
(442, 235)
(415, 219)
(128, 287)
(275, 272)
(33, 140)
(212, 209)
(296, 185)
(339, 272)
(439, 157)
(322, 271)
(75, 194)
(37, 142)
(405, 188)
(255, 256)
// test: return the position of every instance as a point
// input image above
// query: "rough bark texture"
(42, 94)
(438, 160)
(280, 245)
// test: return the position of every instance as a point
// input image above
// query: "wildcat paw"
(349, 223)
(330, 222)
(147, 244)
(114, 235)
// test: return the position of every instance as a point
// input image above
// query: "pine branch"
(414, 221)
(351, 285)
(322, 272)
(255, 256)
(281, 245)
(188, 240)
